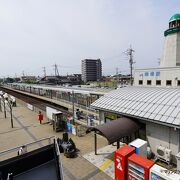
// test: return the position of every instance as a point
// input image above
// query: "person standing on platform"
(40, 117)
(22, 150)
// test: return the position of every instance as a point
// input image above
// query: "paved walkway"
(27, 129)
(104, 160)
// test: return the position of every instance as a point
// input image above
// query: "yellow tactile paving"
(106, 164)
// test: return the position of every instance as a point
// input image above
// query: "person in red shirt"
(40, 117)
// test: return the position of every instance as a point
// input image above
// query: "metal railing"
(9, 153)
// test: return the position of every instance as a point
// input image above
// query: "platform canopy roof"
(161, 105)
(116, 129)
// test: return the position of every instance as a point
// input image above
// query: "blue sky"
(39, 33)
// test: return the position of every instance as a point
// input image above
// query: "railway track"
(41, 104)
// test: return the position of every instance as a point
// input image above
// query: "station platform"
(28, 129)
(104, 160)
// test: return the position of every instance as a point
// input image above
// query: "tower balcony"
(172, 31)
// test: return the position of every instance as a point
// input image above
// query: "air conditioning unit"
(167, 155)
(164, 153)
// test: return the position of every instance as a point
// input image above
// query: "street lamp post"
(0, 104)
(4, 106)
(10, 108)
(11, 115)
(73, 106)
(4, 98)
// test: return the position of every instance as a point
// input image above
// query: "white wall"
(178, 48)
(162, 135)
(172, 74)
(170, 51)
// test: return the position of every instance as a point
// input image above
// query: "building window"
(178, 82)
(157, 73)
(148, 82)
(146, 74)
(140, 82)
(158, 82)
(168, 83)
(151, 73)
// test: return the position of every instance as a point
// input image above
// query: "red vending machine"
(138, 167)
(121, 161)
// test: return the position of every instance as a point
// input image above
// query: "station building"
(150, 102)
(153, 101)
(168, 74)
(157, 110)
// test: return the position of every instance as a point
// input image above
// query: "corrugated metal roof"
(150, 103)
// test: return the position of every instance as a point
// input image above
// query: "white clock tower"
(171, 53)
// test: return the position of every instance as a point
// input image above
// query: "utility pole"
(117, 77)
(56, 72)
(23, 73)
(129, 53)
(44, 71)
